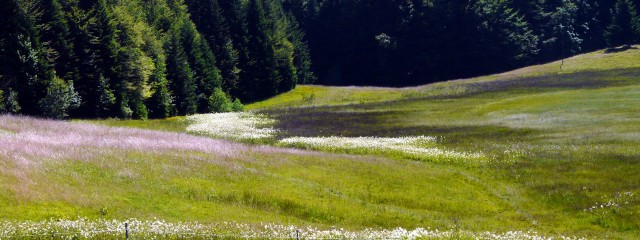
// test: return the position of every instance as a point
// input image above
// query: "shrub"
(125, 110)
(237, 106)
(219, 102)
(140, 111)
(60, 98)
(9, 102)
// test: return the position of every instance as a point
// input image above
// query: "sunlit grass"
(309, 95)
(563, 144)
(174, 124)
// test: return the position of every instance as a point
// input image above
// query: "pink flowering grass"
(65, 170)
(28, 138)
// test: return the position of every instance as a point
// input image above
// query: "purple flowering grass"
(25, 139)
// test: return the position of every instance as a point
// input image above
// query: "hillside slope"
(598, 61)
(567, 137)
(537, 149)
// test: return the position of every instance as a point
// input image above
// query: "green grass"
(310, 95)
(174, 124)
(565, 140)
(315, 96)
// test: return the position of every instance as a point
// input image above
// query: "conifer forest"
(159, 58)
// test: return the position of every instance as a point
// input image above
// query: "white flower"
(421, 147)
(159, 229)
(237, 126)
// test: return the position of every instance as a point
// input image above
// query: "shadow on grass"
(619, 49)
(326, 122)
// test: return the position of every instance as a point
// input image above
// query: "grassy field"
(545, 149)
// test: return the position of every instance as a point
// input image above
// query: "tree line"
(146, 58)
(410, 42)
(160, 58)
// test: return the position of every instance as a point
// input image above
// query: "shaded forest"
(159, 58)
(411, 42)
(145, 58)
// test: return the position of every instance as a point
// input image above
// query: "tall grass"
(563, 145)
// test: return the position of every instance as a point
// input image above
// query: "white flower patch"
(621, 199)
(421, 147)
(159, 229)
(237, 126)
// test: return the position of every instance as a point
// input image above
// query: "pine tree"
(623, 29)
(206, 75)
(260, 77)
(560, 36)
(234, 14)
(180, 76)
(280, 31)
(160, 103)
(504, 37)
(302, 56)
(208, 17)
(57, 38)
(93, 33)
(24, 71)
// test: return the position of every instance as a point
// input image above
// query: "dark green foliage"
(623, 29)
(208, 17)
(206, 75)
(160, 103)
(139, 109)
(560, 36)
(23, 65)
(259, 78)
(9, 102)
(301, 55)
(408, 42)
(143, 58)
(158, 58)
(94, 37)
(219, 101)
(61, 97)
(57, 38)
(106, 97)
(181, 78)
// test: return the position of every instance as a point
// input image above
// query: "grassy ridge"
(565, 145)
(248, 185)
(573, 132)
(598, 61)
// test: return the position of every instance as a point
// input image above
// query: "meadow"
(542, 152)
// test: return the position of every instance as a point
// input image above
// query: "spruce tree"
(233, 12)
(208, 17)
(180, 76)
(302, 55)
(623, 29)
(93, 34)
(24, 71)
(57, 38)
(206, 75)
(260, 77)
(161, 100)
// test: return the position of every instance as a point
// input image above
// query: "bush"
(219, 102)
(237, 106)
(140, 111)
(61, 97)
(9, 102)
(125, 110)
